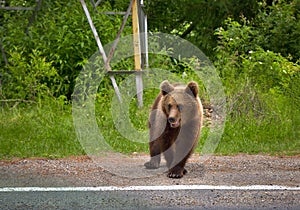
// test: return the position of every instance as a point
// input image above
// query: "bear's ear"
(192, 89)
(166, 87)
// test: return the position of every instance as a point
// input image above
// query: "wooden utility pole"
(137, 53)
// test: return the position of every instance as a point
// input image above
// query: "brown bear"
(175, 123)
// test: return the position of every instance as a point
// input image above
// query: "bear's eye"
(169, 106)
(180, 107)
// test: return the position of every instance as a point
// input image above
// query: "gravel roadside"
(84, 171)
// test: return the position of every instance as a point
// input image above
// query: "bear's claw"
(177, 174)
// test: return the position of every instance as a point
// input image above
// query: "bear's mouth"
(175, 124)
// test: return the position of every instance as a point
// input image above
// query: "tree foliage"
(278, 28)
(59, 36)
(256, 34)
(197, 20)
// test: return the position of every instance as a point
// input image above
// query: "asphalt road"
(82, 172)
(174, 199)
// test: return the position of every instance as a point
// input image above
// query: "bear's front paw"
(177, 173)
(151, 165)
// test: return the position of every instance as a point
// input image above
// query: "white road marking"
(150, 188)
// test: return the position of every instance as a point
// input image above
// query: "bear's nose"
(171, 119)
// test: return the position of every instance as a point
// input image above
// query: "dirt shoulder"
(84, 171)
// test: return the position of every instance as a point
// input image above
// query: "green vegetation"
(38, 130)
(254, 45)
(262, 93)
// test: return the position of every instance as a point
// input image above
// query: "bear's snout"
(173, 122)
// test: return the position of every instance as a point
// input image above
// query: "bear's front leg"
(155, 155)
(177, 172)
(153, 163)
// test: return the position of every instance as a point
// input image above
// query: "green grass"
(37, 131)
(47, 130)
(274, 138)
(274, 131)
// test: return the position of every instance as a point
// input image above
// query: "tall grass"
(261, 123)
(265, 137)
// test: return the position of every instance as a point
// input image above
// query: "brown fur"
(175, 122)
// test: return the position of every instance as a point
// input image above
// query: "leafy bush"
(261, 92)
(278, 28)
(28, 77)
(241, 60)
(61, 34)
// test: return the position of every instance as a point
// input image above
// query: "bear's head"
(179, 103)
